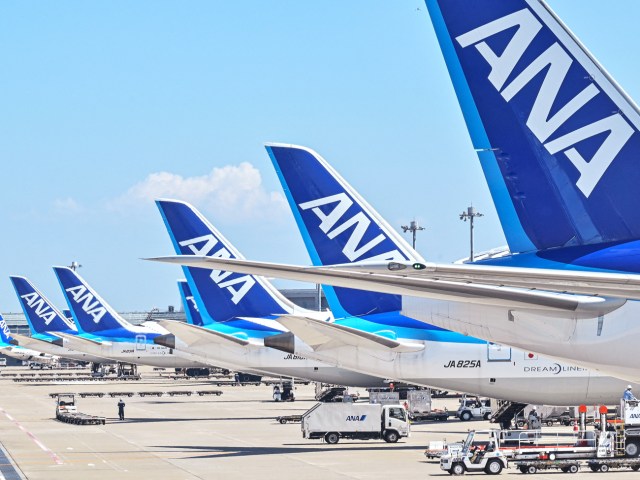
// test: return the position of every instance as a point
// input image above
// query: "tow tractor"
(616, 445)
(476, 456)
(473, 408)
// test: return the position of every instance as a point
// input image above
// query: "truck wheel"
(573, 468)
(487, 416)
(549, 423)
(594, 468)
(465, 416)
(332, 438)
(391, 437)
(531, 469)
(520, 423)
(604, 468)
(494, 467)
(457, 469)
(635, 468)
(632, 449)
(283, 421)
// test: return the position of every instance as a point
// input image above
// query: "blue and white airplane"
(372, 336)
(9, 347)
(558, 141)
(103, 332)
(44, 321)
(238, 311)
(339, 227)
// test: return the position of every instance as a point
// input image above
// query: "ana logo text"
(37, 304)
(356, 418)
(332, 226)
(89, 304)
(556, 63)
(239, 286)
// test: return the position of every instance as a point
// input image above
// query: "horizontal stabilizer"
(31, 342)
(399, 283)
(195, 336)
(78, 340)
(324, 335)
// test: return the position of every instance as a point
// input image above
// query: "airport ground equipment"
(479, 453)
(66, 411)
(438, 448)
(289, 419)
(362, 421)
(615, 445)
(506, 412)
(202, 393)
(473, 408)
(418, 405)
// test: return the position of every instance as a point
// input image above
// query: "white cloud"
(67, 206)
(232, 192)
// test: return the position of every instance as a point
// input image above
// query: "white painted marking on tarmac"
(42, 446)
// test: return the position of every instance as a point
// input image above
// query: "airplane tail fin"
(190, 305)
(5, 333)
(41, 314)
(338, 226)
(90, 312)
(223, 295)
(557, 138)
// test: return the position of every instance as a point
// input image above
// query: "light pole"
(470, 214)
(413, 228)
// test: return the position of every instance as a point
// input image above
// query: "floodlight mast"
(470, 215)
(413, 228)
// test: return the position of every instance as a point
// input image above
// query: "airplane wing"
(506, 295)
(195, 336)
(620, 285)
(325, 335)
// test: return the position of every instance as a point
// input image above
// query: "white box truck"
(362, 421)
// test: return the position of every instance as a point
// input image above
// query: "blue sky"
(108, 105)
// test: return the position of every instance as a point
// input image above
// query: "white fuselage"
(268, 361)
(607, 343)
(26, 354)
(139, 352)
(479, 368)
(59, 351)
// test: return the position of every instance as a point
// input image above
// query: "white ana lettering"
(207, 243)
(39, 306)
(359, 223)
(89, 304)
(557, 62)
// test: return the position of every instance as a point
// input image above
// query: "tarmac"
(234, 436)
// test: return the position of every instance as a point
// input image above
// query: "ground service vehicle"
(473, 408)
(617, 446)
(476, 455)
(418, 406)
(362, 421)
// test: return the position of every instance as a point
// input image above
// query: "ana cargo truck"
(361, 421)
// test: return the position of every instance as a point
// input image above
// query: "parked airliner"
(558, 142)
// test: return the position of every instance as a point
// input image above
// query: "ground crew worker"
(628, 394)
(533, 420)
(121, 409)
